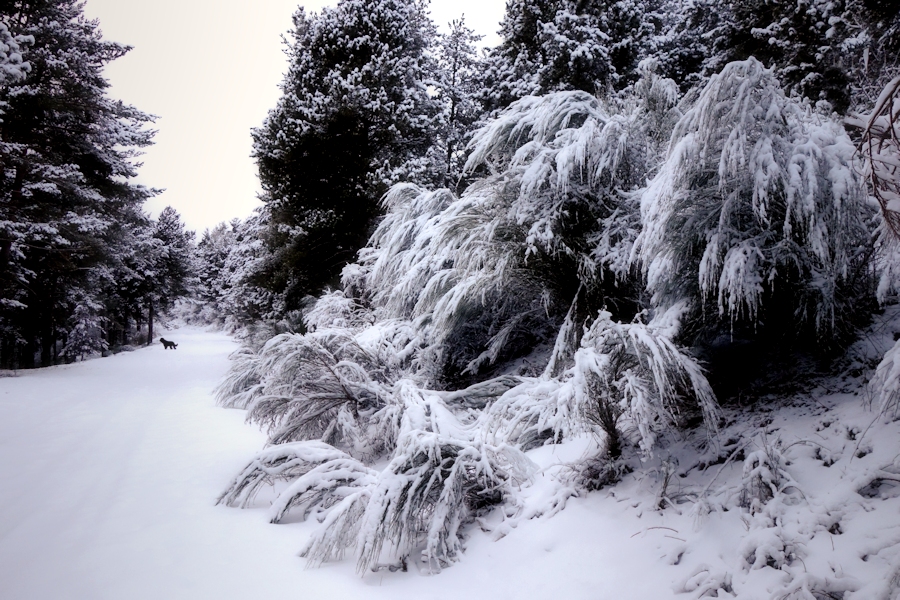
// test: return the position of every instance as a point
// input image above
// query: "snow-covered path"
(110, 470)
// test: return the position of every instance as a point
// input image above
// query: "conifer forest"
(658, 238)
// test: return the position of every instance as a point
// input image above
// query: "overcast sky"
(209, 69)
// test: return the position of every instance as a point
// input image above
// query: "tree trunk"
(12, 211)
(150, 324)
(28, 358)
(65, 342)
(47, 348)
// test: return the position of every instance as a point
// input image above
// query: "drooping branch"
(880, 148)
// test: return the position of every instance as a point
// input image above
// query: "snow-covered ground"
(110, 471)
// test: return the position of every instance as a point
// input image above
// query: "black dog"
(167, 344)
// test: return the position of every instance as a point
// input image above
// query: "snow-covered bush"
(440, 476)
(633, 371)
(885, 384)
(756, 218)
(488, 276)
(338, 401)
(763, 477)
(627, 383)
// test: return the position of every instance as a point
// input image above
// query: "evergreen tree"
(12, 65)
(842, 52)
(457, 80)
(355, 116)
(694, 41)
(754, 229)
(512, 67)
(246, 300)
(213, 282)
(562, 45)
(806, 42)
(173, 265)
(66, 155)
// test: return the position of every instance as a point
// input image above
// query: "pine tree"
(12, 66)
(174, 265)
(247, 301)
(457, 80)
(841, 52)
(806, 42)
(512, 67)
(694, 41)
(355, 116)
(66, 154)
(212, 277)
(562, 45)
(754, 228)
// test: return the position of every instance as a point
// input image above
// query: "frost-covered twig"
(880, 148)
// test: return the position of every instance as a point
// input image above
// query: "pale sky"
(210, 69)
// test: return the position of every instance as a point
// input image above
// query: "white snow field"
(110, 471)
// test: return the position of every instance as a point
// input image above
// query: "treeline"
(82, 267)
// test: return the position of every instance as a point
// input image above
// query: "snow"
(112, 468)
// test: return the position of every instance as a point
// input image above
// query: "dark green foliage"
(354, 118)
(841, 52)
(73, 238)
(560, 45)
(457, 75)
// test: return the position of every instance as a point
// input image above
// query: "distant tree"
(457, 81)
(246, 301)
(129, 279)
(173, 266)
(212, 278)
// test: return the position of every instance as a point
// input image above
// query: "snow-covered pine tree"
(597, 45)
(355, 116)
(558, 45)
(511, 68)
(174, 267)
(811, 45)
(129, 278)
(554, 221)
(212, 278)
(755, 226)
(67, 158)
(12, 66)
(694, 40)
(841, 52)
(458, 71)
(247, 302)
